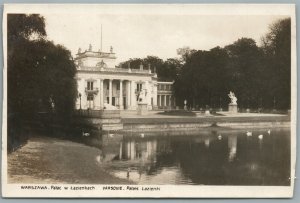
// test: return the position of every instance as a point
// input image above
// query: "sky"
(139, 35)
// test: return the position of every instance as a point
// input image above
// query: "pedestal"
(207, 112)
(142, 109)
(232, 108)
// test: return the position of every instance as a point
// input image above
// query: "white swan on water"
(248, 133)
(260, 137)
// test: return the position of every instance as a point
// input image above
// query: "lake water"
(207, 157)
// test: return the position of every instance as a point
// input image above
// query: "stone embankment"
(192, 123)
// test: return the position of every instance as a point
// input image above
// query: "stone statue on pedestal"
(233, 98)
(185, 102)
(232, 106)
(142, 103)
(142, 96)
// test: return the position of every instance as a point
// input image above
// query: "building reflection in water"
(206, 142)
(232, 146)
(200, 159)
(138, 150)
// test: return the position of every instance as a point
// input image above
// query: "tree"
(40, 74)
(185, 53)
(24, 27)
(277, 56)
(166, 70)
(20, 28)
(194, 81)
(131, 63)
(170, 70)
(244, 72)
(155, 63)
(259, 76)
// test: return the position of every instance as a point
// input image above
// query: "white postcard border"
(14, 190)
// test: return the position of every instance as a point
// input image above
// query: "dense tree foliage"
(40, 74)
(277, 59)
(185, 53)
(259, 76)
(202, 79)
(166, 70)
(244, 70)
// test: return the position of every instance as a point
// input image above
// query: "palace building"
(102, 85)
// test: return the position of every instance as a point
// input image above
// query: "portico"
(100, 85)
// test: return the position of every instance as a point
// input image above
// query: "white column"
(165, 101)
(83, 95)
(121, 150)
(97, 96)
(149, 91)
(121, 95)
(155, 95)
(128, 94)
(132, 150)
(148, 148)
(110, 92)
(133, 96)
(101, 93)
(160, 101)
(128, 150)
(79, 92)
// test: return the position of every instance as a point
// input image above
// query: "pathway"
(51, 160)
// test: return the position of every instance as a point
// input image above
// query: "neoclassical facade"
(102, 85)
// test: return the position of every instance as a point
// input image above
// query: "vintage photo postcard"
(151, 101)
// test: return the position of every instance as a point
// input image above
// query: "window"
(139, 87)
(90, 97)
(118, 86)
(90, 85)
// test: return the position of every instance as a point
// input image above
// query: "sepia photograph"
(149, 100)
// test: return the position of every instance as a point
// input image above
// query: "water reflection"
(232, 143)
(209, 158)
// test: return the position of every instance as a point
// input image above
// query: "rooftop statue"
(101, 64)
(233, 98)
